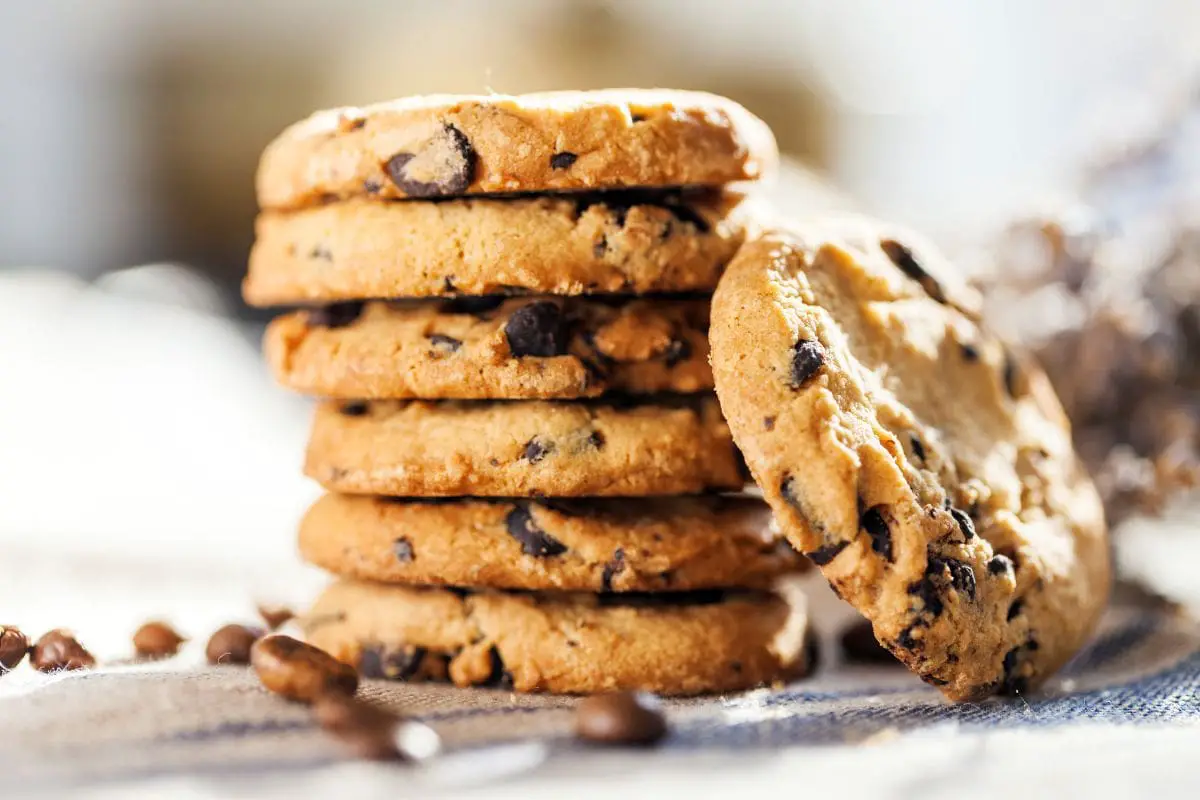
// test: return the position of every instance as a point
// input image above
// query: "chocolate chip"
(335, 315)
(875, 524)
(499, 677)
(999, 565)
(471, 304)
(562, 160)
(1012, 683)
(790, 490)
(534, 541)
(917, 447)
(859, 645)
(393, 664)
(354, 408)
(636, 118)
(600, 248)
(444, 344)
(452, 171)
(969, 351)
(768, 423)
(620, 718)
(903, 258)
(537, 449)
(537, 329)
(321, 253)
(964, 523)
(614, 567)
(808, 356)
(231, 644)
(276, 616)
(402, 549)
(962, 577)
(59, 650)
(826, 553)
(372, 187)
(299, 671)
(156, 640)
(448, 285)
(677, 351)
(596, 439)
(13, 647)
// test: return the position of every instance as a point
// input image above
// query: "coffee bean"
(445, 165)
(231, 644)
(538, 329)
(903, 257)
(630, 718)
(534, 541)
(13, 647)
(299, 671)
(335, 315)
(275, 616)
(156, 640)
(562, 160)
(859, 645)
(367, 730)
(808, 356)
(60, 650)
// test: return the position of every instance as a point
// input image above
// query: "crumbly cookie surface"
(452, 145)
(627, 242)
(660, 544)
(923, 465)
(494, 348)
(565, 643)
(669, 445)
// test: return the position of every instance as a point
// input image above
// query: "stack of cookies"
(508, 302)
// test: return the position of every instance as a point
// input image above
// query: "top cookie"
(925, 467)
(452, 145)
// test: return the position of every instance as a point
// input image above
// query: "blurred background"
(137, 425)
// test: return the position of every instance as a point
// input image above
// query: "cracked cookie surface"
(494, 348)
(450, 145)
(611, 242)
(660, 544)
(565, 643)
(667, 445)
(922, 464)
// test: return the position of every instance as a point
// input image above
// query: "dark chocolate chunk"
(372, 187)
(826, 553)
(969, 351)
(678, 350)
(445, 344)
(1013, 683)
(379, 661)
(860, 646)
(636, 118)
(962, 577)
(534, 541)
(562, 160)
(903, 258)
(448, 285)
(596, 440)
(768, 423)
(600, 247)
(335, 315)
(538, 329)
(354, 408)
(874, 522)
(454, 174)
(1014, 609)
(537, 449)
(964, 523)
(999, 565)
(403, 550)
(808, 356)
(917, 447)
(474, 305)
(620, 718)
(614, 567)
(499, 677)
(791, 493)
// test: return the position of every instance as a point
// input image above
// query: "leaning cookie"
(494, 348)
(632, 242)
(924, 466)
(520, 449)
(626, 545)
(451, 145)
(681, 644)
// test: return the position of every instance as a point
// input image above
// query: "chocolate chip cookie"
(675, 644)
(452, 145)
(925, 466)
(494, 348)
(514, 449)
(631, 242)
(661, 544)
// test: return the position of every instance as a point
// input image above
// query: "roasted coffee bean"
(808, 356)
(299, 671)
(231, 644)
(60, 650)
(335, 315)
(538, 329)
(630, 718)
(13, 647)
(903, 257)
(859, 645)
(445, 165)
(156, 640)
(275, 616)
(562, 160)
(534, 541)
